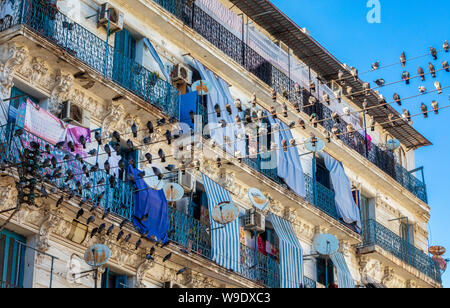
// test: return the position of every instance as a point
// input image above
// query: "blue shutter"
(124, 55)
(12, 256)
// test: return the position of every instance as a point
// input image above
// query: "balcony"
(77, 41)
(233, 46)
(376, 234)
(119, 199)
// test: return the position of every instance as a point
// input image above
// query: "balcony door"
(12, 260)
(124, 56)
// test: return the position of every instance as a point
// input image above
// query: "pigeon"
(238, 105)
(181, 271)
(85, 170)
(421, 73)
(92, 152)
(110, 230)
(340, 75)
(376, 66)
(446, 66)
(228, 108)
(90, 220)
(433, 53)
(380, 82)
(403, 59)
(60, 145)
(168, 136)
(354, 73)
(438, 87)
(112, 181)
(138, 244)
(79, 214)
(149, 158)
(158, 173)
(82, 140)
(446, 46)
(147, 140)
(115, 136)
(406, 77)
(130, 144)
(134, 130)
(406, 115)
(119, 235)
(47, 149)
(108, 150)
(94, 232)
(432, 70)
(60, 201)
(98, 138)
(397, 99)
(70, 175)
(424, 110)
(101, 228)
(107, 167)
(422, 89)
(161, 122)
(150, 127)
(44, 193)
(127, 238)
(162, 155)
(121, 164)
(435, 106)
(123, 223)
(106, 213)
(167, 257)
(71, 146)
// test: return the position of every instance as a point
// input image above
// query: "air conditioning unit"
(172, 285)
(187, 181)
(181, 73)
(113, 15)
(74, 114)
(254, 220)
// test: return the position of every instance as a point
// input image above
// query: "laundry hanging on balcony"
(345, 279)
(225, 242)
(151, 210)
(345, 204)
(288, 163)
(220, 95)
(291, 253)
(157, 58)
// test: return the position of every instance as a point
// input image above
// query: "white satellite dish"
(316, 146)
(326, 244)
(392, 144)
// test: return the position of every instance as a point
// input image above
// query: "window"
(322, 174)
(407, 232)
(367, 208)
(325, 277)
(12, 255)
(111, 280)
(124, 55)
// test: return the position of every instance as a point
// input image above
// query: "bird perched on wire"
(397, 99)
(403, 59)
(432, 69)
(406, 77)
(380, 82)
(422, 89)
(376, 65)
(435, 106)
(134, 130)
(424, 110)
(433, 53)
(421, 73)
(446, 46)
(446, 66)
(406, 115)
(438, 87)
(167, 257)
(354, 73)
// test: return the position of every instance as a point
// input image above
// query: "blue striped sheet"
(226, 248)
(291, 254)
(345, 279)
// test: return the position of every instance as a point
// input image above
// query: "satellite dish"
(437, 250)
(392, 144)
(201, 86)
(326, 244)
(440, 262)
(97, 255)
(316, 146)
(154, 183)
(258, 199)
(225, 212)
(173, 192)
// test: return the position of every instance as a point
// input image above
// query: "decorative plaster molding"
(141, 271)
(60, 92)
(11, 57)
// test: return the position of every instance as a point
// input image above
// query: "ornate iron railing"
(119, 199)
(48, 22)
(375, 233)
(309, 283)
(325, 197)
(189, 232)
(239, 51)
(263, 269)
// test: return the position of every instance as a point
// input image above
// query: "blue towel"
(188, 102)
(153, 203)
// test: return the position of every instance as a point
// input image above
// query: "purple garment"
(74, 133)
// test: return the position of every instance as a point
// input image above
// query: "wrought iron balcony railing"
(239, 51)
(48, 22)
(375, 233)
(119, 199)
(263, 269)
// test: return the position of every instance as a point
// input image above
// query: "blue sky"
(412, 26)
